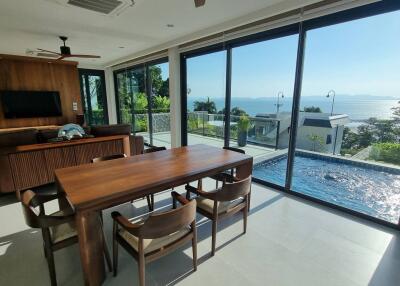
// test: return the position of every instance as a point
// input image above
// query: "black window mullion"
(149, 92)
(184, 134)
(228, 89)
(295, 107)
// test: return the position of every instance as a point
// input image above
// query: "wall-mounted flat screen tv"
(28, 104)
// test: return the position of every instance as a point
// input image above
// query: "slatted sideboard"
(27, 166)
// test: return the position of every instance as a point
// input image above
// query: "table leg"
(91, 238)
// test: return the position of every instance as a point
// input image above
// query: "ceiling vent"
(105, 7)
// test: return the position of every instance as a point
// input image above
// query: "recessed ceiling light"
(170, 25)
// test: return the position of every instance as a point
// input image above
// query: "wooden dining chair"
(58, 229)
(220, 203)
(228, 175)
(157, 235)
(150, 198)
(153, 149)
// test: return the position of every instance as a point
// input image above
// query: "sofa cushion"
(19, 137)
(109, 130)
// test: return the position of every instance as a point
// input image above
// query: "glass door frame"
(85, 90)
(301, 29)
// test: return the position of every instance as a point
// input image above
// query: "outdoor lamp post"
(278, 105)
(333, 94)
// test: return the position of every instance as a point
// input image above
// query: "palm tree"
(208, 106)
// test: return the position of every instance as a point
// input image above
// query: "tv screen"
(28, 104)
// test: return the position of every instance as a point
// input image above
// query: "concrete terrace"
(164, 139)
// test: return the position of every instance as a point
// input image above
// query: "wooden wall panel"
(29, 169)
(58, 158)
(86, 152)
(24, 73)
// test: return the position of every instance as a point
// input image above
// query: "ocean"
(357, 108)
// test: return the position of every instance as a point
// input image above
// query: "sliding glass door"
(317, 105)
(205, 93)
(142, 99)
(261, 101)
(347, 147)
(93, 94)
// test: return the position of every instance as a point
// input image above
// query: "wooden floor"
(289, 242)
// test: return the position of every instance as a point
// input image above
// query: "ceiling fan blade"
(49, 52)
(47, 55)
(199, 3)
(83, 56)
(60, 58)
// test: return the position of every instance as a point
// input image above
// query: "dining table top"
(104, 184)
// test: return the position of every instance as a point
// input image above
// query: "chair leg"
(150, 202)
(142, 273)
(248, 200)
(194, 246)
(107, 255)
(52, 268)
(214, 236)
(115, 249)
(187, 193)
(245, 212)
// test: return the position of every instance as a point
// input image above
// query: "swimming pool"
(363, 189)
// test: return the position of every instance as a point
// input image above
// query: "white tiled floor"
(289, 242)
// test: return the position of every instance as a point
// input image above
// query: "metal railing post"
(278, 126)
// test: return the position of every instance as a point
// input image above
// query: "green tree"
(365, 136)
(314, 109)
(396, 111)
(350, 139)
(236, 111)
(160, 103)
(317, 141)
(384, 130)
(208, 106)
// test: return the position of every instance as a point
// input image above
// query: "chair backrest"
(31, 214)
(107, 158)
(162, 224)
(234, 190)
(235, 149)
(155, 149)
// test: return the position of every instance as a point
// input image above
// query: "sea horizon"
(358, 107)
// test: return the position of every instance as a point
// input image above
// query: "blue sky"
(356, 58)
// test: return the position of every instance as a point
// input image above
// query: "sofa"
(27, 159)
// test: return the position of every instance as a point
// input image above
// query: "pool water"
(372, 192)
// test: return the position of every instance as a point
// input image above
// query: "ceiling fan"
(65, 52)
(199, 3)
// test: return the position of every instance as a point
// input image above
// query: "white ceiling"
(31, 24)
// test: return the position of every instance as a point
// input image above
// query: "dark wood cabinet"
(27, 166)
(28, 169)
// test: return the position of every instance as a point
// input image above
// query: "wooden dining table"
(94, 187)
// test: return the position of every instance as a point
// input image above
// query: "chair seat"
(150, 245)
(208, 205)
(62, 231)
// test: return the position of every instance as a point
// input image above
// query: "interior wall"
(26, 73)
